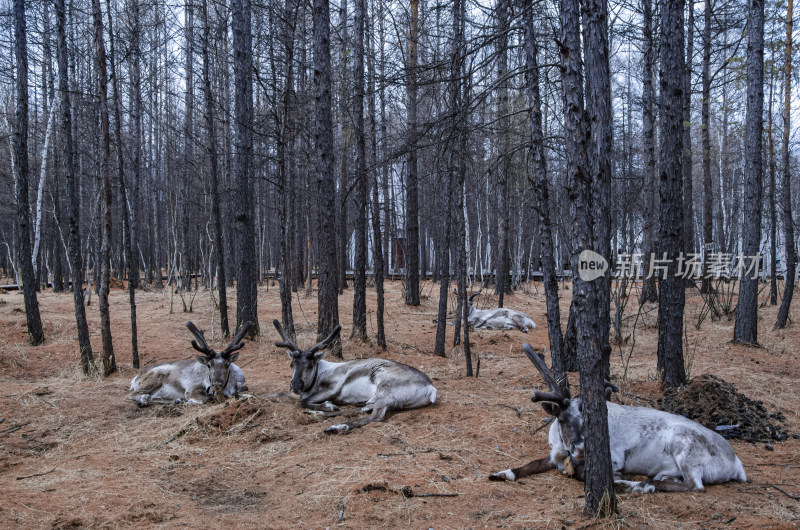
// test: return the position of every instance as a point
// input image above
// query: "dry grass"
(263, 463)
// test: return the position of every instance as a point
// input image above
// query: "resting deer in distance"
(500, 318)
(377, 386)
(675, 453)
(197, 380)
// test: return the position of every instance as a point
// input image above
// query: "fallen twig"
(36, 474)
(14, 428)
(515, 409)
(791, 496)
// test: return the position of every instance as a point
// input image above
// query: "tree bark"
(328, 314)
(789, 254)
(360, 271)
(746, 327)
(672, 290)
(21, 176)
(542, 199)
(73, 205)
(133, 269)
(502, 279)
(688, 175)
(593, 314)
(649, 289)
(216, 215)
(109, 362)
(708, 202)
(246, 259)
(412, 206)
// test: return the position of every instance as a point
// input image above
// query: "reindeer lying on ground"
(196, 380)
(676, 453)
(377, 385)
(499, 318)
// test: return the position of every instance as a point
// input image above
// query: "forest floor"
(75, 452)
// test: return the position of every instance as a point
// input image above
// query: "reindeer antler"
(237, 343)
(324, 344)
(200, 344)
(471, 298)
(287, 342)
(556, 394)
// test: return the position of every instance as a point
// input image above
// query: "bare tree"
(246, 262)
(649, 290)
(360, 271)
(328, 314)
(216, 214)
(127, 233)
(746, 327)
(412, 206)
(591, 298)
(21, 174)
(109, 363)
(789, 253)
(672, 290)
(542, 197)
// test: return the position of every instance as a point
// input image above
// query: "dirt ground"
(75, 452)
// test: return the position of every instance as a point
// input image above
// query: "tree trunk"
(360, 271)
(73, 200)
(109, 363)
(649, 289)
(21, 175)
(216, 215)
(133, 269)
(746, 328)
(342, 228)
(412, 207)
(541, 198)
(789, 254)
(688, 175)
(502, 279)
(593, 315)
(286, 191)
(246, 259)
(672, 291)
(773, 214)
(328, 302)
(380, 241)
(708, 203)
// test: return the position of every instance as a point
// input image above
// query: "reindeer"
(196, 380)
(675, 453)
(500, 318)
(377, 386)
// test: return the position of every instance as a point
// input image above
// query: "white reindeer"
(196, 380)
(676, 453)
(377, 385)
(499, 318)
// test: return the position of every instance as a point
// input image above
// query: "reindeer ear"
(202, 359)
(319, 355)
(552, 409)
(232, 358)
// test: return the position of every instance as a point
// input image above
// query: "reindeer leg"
(531, 468)
(341, 412)
(378, 414)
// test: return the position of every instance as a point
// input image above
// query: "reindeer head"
(470, 300)
(218, 363)
(304, 362)
(559, 404)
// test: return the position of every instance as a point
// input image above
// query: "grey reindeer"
(211, 376)
(675, 453)
(499, 318)
(378, 386)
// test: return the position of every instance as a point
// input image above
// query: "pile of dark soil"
(717, 405)
(227, 418)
